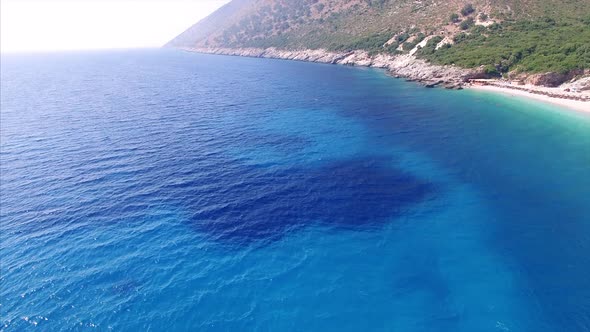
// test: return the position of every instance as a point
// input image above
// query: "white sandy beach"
(582, 106)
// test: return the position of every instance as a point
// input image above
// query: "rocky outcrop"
(478, 73)
(551, 79)
(421, 45)
(405, 66)
(580, 83)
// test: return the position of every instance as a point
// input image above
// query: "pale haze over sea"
(41, 25)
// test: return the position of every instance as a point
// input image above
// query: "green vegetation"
(407, 46)
(530, 35)
(373, 43)
(528, 46)
(466, 24)
(430, 46)
(467, 10)
(402, 37)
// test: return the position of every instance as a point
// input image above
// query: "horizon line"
(37, 51)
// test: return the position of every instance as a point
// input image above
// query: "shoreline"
(400, 66)
(575, 105)
(411, 69)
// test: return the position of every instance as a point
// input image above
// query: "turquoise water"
(168, 191)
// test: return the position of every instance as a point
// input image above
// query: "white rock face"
(485, 23)
(582, 84)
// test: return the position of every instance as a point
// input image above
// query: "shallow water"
(162, 190)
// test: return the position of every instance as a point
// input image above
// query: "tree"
(454, 17)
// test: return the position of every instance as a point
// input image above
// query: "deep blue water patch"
(267, 203)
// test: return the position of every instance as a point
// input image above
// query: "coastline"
(400, 66)
(575, 105)
(416, 70)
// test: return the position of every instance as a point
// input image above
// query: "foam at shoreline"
(400, 66)
(577, 105)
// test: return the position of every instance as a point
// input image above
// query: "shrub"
(408, 46)
(467, 9)
(495, 27)
(460, 37)
(403, 37)
(454, 17)
(420, 37)
(468, 23)
(430, 46)
(491, 70)
(392, 48)
(369, 43)
(434, 41)
(478, 30)
(529, 46)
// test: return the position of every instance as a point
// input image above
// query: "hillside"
(502, 36)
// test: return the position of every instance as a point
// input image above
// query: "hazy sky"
(48, 25)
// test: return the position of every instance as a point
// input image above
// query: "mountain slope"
(489, 33)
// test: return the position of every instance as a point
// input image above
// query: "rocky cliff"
(406, 66)
(542, 42)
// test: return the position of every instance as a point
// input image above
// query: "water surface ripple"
(158, 190)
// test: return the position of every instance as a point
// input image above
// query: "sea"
(162, 190)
